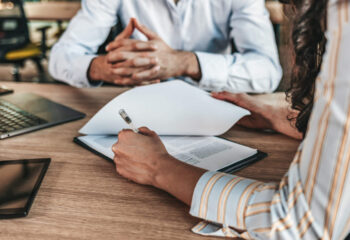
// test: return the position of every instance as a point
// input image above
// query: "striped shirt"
(312, 201)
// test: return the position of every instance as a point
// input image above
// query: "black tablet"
(20, 181)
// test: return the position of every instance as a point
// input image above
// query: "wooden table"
(82, 197)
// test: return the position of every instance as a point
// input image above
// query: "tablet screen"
(19, 182)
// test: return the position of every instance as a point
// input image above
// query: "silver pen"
(128, 120)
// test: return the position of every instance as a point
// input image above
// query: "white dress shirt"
(312, 201)
(205, 27)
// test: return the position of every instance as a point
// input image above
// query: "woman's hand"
(268, 111)
(139, 157)
(142, 158)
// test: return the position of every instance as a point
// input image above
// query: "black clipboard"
(229, 169)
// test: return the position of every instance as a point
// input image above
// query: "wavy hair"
(309, 41)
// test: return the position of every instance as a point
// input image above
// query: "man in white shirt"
(191, 39)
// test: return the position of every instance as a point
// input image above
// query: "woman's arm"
(143, 159)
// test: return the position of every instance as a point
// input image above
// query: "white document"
(209, 153)
(170, 108)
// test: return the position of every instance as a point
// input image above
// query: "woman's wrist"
(165, 169)
(177, 178)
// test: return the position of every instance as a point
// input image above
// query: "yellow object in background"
(29, 51)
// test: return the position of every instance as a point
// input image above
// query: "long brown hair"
(309, 43)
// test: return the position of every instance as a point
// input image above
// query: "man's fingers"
(123, 71)
(127, 32)
(136, 62)
(118, 43)
(149, 74)
(123, 76)
(146, 31)
(124, 81)
(115, 56)
(127, 72)
(136, 46)
(131, 45)
(150, 82)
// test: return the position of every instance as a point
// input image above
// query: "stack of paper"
(187, 118)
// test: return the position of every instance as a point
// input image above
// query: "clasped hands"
(134, 62)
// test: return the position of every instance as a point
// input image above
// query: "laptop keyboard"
(13, 118)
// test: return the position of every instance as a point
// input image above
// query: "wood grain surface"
(82, 197)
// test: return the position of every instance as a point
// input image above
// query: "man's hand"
(103, 70)
(268, 111)
(151, 60)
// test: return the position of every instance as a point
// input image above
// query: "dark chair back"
(14, 32)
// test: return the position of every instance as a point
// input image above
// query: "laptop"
(26, 112)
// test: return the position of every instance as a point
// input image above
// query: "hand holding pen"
(128, 120)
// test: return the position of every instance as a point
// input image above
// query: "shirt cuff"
(80, 71)
(221, 200)
(214, 71)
